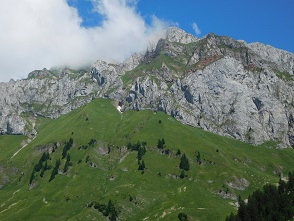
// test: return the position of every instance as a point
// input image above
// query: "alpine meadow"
(190, 129)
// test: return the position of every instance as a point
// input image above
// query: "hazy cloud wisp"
(196, 29)
(37, 34)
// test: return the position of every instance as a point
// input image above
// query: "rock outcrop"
(174, 34)
(229, 87)
(221, 85)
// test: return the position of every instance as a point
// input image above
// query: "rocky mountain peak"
(174, 34)
(225, 86)
(131, 62)
(40, 74)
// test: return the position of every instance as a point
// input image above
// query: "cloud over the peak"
(35, 34)
(196, 29)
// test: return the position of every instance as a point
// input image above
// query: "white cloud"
(35, 34)
(196, 29)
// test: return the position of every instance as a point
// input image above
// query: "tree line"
(108, 210)
(140, 147)
(272, 203)
(43, 166)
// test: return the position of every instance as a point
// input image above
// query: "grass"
(178, 64)
(157, 194)
(155, 64)
(253, 68)
(9, 145)
(285, 76)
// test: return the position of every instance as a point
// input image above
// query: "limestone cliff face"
(174, 34)
(43, 93)
(228, 99)
(221, 85)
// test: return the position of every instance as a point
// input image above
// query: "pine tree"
(242, 209)
(42, 172)
(199, 158)
(44, 157)
(182, 217)
(182, 175)
(184, 164)
(141, 165)
(231, 217)
(32, 177)
(111, 211)
(67, 163)
(141, 153)
(160, 144)
(55, 170)
(38, 166)
(66, 147)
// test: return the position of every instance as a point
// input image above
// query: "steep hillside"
(101, 164)
(216, 83)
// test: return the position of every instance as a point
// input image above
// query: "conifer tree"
(182, 175)
(55, 170)
(141, 165)
(32, 177)
(184, 164)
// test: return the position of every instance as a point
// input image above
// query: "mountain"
(225, 86)
(91, 159)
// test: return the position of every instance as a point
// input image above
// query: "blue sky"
(270, 22)
(38, 34)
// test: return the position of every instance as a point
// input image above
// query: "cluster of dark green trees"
(269, 204)
(162, 147)
(90, 144)
(161, 143)
(66, 155)
(107, 210)
(41, 166)
(140, 147)
(66, 147)
(184, 163)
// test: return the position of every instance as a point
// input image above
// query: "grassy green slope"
(9, 145)
(157, 194)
